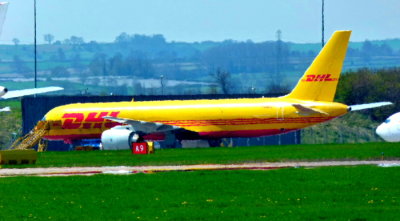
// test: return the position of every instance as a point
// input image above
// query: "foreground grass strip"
(368, 151)
(333, 193)
(222, 155)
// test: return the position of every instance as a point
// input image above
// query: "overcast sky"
(200, 20)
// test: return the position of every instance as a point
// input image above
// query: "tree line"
(150, 56)
(367, 86)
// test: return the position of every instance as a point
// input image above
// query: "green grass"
(333, 193)
(11, 121)
(354, 127)
(329, 193)
(226, 155)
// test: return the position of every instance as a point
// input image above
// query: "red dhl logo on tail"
(318, 77)
(93, 120)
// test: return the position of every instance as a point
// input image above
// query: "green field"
(224, 155)
(368, 151)
(326, 193)
(333, 193)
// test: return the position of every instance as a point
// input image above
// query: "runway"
(73, 171)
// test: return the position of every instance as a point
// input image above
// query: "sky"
(202, 20)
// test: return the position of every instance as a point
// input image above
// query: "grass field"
(329, 193)
(333, 193)
(11, 121)
(367, 151)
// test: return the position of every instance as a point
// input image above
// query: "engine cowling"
(118, 138)
(3, 91)
(390, 129)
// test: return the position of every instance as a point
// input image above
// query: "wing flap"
(306, 111)
(144, 126)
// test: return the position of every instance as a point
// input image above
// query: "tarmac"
(126, 170)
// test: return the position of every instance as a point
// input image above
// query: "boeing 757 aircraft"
(120, 123)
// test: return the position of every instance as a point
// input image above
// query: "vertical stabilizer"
(320, 80)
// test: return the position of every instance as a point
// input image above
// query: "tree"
(48, 38)
(92, 46)
(19, 65)
(67, 41)
(367, 86)
(98, 65)
(77, 62)
(16, 41)
(239, 57)
(76, 42)
(223, 79)
(122, 40)
(367, 51)
(117, 65)
(61, 55)
(138, 65)
(275, 88)
(59, 71)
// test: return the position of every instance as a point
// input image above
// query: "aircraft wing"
(368, 106)
(24, 92)
(144, 126)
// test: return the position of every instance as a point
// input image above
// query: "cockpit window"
(387, 121)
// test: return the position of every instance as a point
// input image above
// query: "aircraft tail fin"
(320, 80)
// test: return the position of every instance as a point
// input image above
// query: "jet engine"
(3, 91)
(118, 138)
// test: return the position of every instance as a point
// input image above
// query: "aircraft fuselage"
(206, 118)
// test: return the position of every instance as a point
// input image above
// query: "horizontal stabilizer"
(143, 126)
(368, 106)
(306, 111)
(25, 92)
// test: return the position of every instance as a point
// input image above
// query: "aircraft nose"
(3, 91)
(388, 133)
(381, 130)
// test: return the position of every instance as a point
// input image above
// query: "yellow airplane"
(120, 123)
